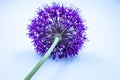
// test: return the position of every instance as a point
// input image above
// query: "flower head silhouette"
(57, 20)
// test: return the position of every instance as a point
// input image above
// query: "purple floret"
(58, 20)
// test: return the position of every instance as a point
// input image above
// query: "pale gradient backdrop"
(99, 59)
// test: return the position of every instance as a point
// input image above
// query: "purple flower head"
(55, 20)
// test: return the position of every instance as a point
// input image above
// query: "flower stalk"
(34, 70)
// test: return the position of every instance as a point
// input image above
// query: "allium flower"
(57, 31)
(57, 20)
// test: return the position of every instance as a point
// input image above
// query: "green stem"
(34, 70)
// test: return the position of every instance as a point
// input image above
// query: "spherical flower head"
(58, 20)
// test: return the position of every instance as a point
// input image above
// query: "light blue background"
(99, 59)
